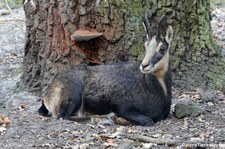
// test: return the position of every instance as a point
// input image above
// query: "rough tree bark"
(50, 23)
(197, 61)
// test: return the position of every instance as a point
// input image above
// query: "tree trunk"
(50, 24)
(196, 60)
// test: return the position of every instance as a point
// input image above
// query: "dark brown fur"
(141, 97)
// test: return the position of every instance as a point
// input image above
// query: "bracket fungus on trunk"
(85, 35)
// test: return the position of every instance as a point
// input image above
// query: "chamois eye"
(162, 50)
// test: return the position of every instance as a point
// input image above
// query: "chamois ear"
(169, 34)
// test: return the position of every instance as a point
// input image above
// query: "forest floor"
(22, 127)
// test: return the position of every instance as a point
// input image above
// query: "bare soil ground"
(22, 127)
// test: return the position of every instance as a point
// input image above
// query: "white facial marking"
(149, 51)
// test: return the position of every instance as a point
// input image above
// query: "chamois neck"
(161, 73)
(162, 84)
(157, 82)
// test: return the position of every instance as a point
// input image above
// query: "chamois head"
(157, 46)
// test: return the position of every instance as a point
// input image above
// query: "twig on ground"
(160, 141)
(220, 126)
(9, 20)
(12, 13)
(10, 10)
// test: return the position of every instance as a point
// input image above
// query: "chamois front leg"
(136, 117)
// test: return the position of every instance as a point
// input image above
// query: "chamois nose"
(144, 66)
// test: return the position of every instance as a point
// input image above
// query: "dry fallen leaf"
(13, 54)
(23, 105)
(2, 129)
(102, 137)
(196, 97)
(111, 141)
(1, 121)
(114, 135)
(4, 120)
(109, 145)
(147, 145)
(83, 146)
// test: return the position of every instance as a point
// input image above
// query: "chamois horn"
(147, 26)
(159, 26)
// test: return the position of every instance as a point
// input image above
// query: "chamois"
(139, 93)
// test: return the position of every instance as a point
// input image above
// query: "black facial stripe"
(158, 40)
(156, 58)
(165, 45)
(164, 42)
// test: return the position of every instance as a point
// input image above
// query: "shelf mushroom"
(85, 35)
